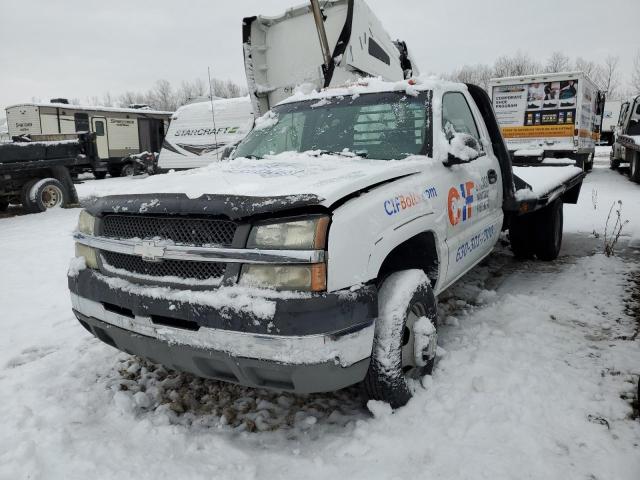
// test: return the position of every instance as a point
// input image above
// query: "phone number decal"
(475, 242)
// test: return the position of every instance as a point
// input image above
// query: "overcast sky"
(83, 48)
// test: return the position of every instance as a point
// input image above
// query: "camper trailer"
(203, 132)
(121, 133)
(549, 115)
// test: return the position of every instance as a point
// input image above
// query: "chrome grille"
(167, 268)
(181, 230)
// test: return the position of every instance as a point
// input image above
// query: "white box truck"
(549, 116)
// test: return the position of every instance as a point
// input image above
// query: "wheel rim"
(409, 366)
(51, 196)
(128, 171)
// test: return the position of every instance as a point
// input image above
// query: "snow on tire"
(405, 339)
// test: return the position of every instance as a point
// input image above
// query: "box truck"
(549, 116)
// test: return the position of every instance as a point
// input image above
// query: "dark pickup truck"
(37, 174)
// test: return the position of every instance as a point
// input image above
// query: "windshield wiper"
(348, 153)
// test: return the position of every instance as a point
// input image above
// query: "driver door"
(474, 194)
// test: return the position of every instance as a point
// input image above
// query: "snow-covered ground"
(535, 380)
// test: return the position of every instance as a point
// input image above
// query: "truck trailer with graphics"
(549, 116)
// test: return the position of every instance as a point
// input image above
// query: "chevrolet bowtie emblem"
(149, 251)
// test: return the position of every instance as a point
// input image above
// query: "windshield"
(381, 126)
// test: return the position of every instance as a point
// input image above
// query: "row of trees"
(606, 74)
(164, 96)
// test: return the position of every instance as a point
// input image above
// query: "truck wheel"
(634, 168)
(128, 170)
(114, 172)
(42, 194)
(100, 175)
(548, 231)
(614, 164)
(405, 342)
(588, 166)
(4, 204)
(521, 229)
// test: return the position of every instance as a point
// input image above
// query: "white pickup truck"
(312, 259)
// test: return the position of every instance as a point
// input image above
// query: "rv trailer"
(121, 133)
(203, 132)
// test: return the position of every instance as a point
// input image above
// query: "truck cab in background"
(626, 146)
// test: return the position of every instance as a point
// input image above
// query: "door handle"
(493, 176)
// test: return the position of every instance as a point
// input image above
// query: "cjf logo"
(461, 203)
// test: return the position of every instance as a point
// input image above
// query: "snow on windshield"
(381, 126)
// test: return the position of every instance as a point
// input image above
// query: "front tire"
(405, 339)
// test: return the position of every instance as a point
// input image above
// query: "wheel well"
(417, 252)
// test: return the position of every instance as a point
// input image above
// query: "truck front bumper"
(299, 355)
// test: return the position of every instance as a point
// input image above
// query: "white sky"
(78, 49)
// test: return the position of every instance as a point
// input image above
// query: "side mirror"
(463, 148)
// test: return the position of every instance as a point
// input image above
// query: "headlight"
(89, 254)
(86, 223)
(307, 234)
(306, 278)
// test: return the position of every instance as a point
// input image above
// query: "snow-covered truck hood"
(257, 185)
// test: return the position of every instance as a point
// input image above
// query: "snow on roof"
(93, 108)
(218, 104)
(538, 76)
(373, 85)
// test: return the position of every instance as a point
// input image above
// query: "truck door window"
(457, 116)
(100, 129)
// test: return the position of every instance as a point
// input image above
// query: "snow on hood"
(329, 177)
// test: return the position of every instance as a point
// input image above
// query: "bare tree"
(635, 74)
(227, 89)
(557, 62)
(610, 77)
(594, 71)
(189, 91)
(519, 64)
(476, 74)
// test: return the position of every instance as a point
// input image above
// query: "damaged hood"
(255, 185)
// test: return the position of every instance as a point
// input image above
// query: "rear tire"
(548, 231)
(42, 194)
(521, 234)
(634, 168)
(406, 321)
(588, 166)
